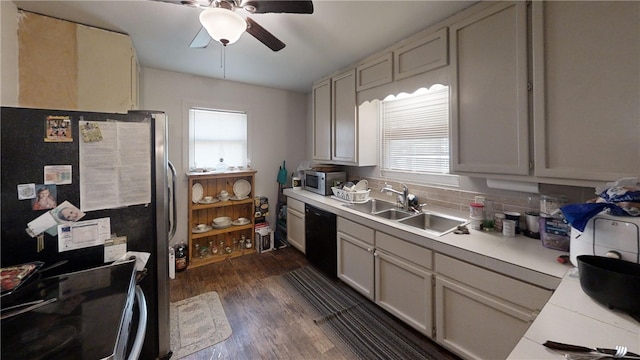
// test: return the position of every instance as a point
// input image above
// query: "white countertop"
(570, 316)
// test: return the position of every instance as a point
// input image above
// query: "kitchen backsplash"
(459, 199)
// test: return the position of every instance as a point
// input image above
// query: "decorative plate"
(242, 188)
(197, 192)
(236, 198)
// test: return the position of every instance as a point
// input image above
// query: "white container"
(498, 218)
(296, 183)
(509, 228)
(476, 222)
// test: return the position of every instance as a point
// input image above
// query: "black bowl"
(611, 282)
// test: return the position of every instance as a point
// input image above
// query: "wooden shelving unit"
(213, 184)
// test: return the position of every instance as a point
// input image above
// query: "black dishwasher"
(320, 240)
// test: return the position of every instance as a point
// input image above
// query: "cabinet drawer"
(526, 295)
(358, 231)
(404, 249)
(296, 205)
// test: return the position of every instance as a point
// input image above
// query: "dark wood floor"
(267, 322)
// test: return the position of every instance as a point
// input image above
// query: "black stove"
(86, 315)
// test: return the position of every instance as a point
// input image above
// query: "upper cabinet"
(343, 116)
(375, 72)
(343, 134)
(579, 96)
(586, 86)
(107, 70)
(64, 65)
(322, 121)
(420, 55)
(489, 91)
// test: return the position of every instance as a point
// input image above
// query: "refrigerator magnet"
(57, 174)
(46, 197)
(26, 191)
(58, 129)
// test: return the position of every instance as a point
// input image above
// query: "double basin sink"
(434, 223)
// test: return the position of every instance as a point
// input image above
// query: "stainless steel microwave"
(321, 182)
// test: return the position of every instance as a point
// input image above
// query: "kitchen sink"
(436, 223)
(393, 214)
(372, 206)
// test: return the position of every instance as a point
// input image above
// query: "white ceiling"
(337, 34)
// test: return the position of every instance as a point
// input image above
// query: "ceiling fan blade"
(192, 3)
(264, 36)
(201, 40)
(278, 6)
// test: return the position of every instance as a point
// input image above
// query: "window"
(215, 135)
(415, 136)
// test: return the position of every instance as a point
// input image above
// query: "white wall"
(8, 54)
(277, 127)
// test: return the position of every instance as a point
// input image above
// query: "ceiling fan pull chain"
(224, 62)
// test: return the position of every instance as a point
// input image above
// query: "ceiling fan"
(220, 19)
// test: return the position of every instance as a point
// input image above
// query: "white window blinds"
(216, 134)
(415, 132)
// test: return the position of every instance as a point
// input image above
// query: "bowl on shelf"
(222, 221)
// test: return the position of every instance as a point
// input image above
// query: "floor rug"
(197, 323)
(358, 324)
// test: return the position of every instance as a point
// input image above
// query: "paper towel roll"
(514, 185)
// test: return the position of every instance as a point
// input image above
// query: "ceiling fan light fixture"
(224, 26)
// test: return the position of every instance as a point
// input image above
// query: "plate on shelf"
(196, 192)
(222, 226)
(238, 222)
(195, 230)
(241, 188)
(236, 198)
(223, 199)
(212, 201)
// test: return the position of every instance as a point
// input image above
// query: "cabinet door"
(586, 68)
(344, 117)
(295, 229)
(489, 97)
(355, 264)
(424, 54)
(476, 325)
(322, 121)
(376, 72)
(404, 290)
(104, 70)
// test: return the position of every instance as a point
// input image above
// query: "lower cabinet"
(295, 224)
(394, 274)
(481, 314)
(404, 287)
(474, 312)
(355, 256)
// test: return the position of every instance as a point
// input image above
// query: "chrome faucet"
(403, 196)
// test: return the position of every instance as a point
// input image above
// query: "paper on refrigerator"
(83, 234)
(116, 170)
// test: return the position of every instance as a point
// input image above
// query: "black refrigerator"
(47, 149)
